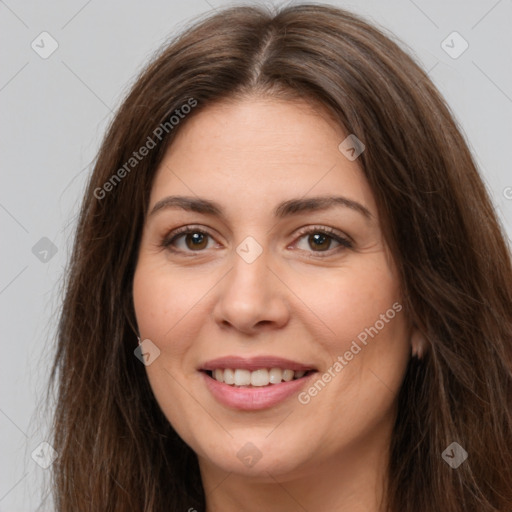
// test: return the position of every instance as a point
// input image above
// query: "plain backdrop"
(54, 111)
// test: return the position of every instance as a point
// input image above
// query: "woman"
(289, 289)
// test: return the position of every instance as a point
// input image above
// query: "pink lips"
(254, 398)
(254, 363)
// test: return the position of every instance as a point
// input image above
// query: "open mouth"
(242, 378)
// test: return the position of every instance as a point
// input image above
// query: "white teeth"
(275, 375)
(242, 377)
(288, 375)
(229, 376)
(257, 378)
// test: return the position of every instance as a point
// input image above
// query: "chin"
(256, 456)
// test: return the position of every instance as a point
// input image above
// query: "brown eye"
(320, 240)
(195, 240)
(316, 240)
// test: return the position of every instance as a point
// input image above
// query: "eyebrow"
(284, 209)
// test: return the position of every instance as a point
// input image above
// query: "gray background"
(54, 114)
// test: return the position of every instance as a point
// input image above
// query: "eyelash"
(345, 243)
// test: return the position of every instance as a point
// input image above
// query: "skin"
(299, 300)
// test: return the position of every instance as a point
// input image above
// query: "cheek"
(361, 306)
(164, 309)
(162, 301)
(347, 300)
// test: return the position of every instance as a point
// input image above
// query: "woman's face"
(284, 271)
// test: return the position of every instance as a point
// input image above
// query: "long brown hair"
(116, 449)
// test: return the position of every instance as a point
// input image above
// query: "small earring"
(138, 340)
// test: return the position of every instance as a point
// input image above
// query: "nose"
(252, 297)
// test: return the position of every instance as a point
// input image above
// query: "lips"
(254, 383)
(255, 363)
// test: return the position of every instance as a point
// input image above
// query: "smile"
(254, 383)
(257, 378)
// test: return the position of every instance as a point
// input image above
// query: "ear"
(418, 344)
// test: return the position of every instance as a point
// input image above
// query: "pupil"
(197, 238)
(320, 240)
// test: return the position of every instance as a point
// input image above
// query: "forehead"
(260, 149)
